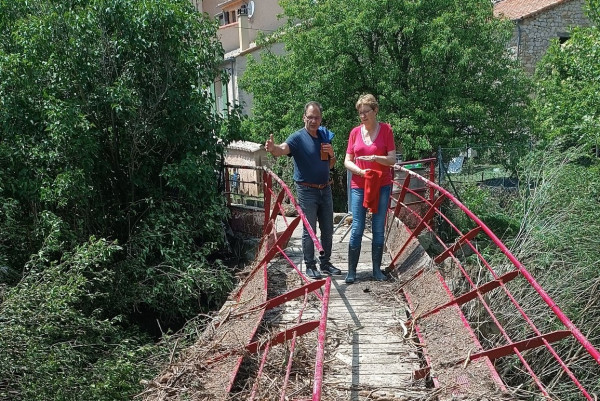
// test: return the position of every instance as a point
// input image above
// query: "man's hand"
(276, 150)
(328, 148)
(270, 144)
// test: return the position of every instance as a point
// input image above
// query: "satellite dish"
(250, 9)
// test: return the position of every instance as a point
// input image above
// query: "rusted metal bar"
(277, 209)
(272, 243)
(295, 293)
(292, 349)
(307, 226)
(534, 284)
(267, 185)
(468, 296)
(263, 360)
(270, 253)
(414, 233)
(283, 239)
(476, 292)
(279, 338)
(594, 353)
(302, 276)
(283, 336)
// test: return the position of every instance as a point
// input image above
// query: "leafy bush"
(58, 342)
(108, 178)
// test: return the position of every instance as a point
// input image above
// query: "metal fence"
(491, 293)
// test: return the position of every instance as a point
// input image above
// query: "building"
(537, 23)
(240, 23)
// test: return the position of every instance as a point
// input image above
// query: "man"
(313, 157)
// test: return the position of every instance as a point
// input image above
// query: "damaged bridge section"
(457, 305)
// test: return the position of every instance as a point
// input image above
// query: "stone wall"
(534, 33)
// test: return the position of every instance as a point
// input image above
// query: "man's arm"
(332, 162)
(276, 150)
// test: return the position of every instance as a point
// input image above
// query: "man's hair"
(313, 104)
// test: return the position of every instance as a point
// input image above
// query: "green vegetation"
(557, 210)
(437, 81)
(567, 107)
(558, 239)
(110, 219)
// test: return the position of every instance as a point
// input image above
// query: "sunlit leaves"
(567, 102)
(439, 82)
(107, 132)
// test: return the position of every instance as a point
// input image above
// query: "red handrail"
(274, 242)
(421, 212)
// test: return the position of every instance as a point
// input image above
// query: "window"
(563, 37)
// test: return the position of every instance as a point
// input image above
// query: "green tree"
(108, 132)
(439, 68)
(567, 106)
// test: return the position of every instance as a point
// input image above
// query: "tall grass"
(559, 243)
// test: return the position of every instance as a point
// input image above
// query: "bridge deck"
(368, 354)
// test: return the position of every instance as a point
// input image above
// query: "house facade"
(537, 23)
(240, 22)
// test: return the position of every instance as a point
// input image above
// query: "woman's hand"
(388, 160)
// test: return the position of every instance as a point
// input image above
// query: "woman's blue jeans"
(359, 215)
(317, 205)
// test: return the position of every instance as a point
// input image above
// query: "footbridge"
(458, 318)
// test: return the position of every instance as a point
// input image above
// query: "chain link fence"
(490, 166)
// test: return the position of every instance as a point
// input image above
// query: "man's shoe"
(330, 269)
(313, 273)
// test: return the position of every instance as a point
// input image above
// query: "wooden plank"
(364, 337)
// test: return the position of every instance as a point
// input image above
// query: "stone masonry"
(534, 30)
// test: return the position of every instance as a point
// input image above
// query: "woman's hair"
(367, 100)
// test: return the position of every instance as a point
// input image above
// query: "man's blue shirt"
(306, 151)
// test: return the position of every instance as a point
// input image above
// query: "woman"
(369, 156)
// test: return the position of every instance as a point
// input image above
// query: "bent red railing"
(490, 289)
(277, 230)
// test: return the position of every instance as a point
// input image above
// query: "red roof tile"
(517, 9)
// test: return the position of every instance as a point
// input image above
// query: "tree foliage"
(567, 107)
(439, 68)
(108, 132)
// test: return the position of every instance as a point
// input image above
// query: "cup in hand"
(324, 154)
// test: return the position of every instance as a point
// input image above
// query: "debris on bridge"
(282, 336)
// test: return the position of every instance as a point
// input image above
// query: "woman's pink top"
(383, 144)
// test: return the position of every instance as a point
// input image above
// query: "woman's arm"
(388, 160)
(352, 167)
